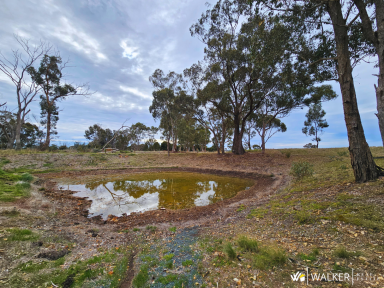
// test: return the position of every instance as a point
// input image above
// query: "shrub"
(309, 146)
(304, 217)
(53, 147)
(299, 170)
(248, 244)
(26, 177)
(343, 167)
(187, 263)
(63, 147)
(230, 252)
(341, 252)
(169, 256)
(151, 228)
(269, 257)
(342, 153)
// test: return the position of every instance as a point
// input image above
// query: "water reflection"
(142, 192)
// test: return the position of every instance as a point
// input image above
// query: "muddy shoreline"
(201, 215)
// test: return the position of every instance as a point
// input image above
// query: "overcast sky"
(115, 45)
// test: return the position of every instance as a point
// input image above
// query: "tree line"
(139, 137)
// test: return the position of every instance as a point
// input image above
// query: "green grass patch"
(257, 213)
(300, 170)
(10, 213)
(104, 270)
(268, 257)
(167, 279)
(151, 228)
(17, 234)
(169, 256)
(141, 278)
(248, 244)
(304, 217)
(187, 263)
(341, 252)
(309, 257)
(231, 253)
(14, 186)
(172, 229)
(241, 208)
(31, 267)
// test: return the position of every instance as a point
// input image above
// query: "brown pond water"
(117, 194)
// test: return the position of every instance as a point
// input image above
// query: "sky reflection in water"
(142, 192)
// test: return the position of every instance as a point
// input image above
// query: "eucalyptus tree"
(170, 103)
(330, 43)
(8, 128)
(138, 133)
(212, 108)
(98, 135)
(16, 70)
(265, 125)
(315, 122)
(266, 121)
(48, 77)
(251, 55)
(30, 134)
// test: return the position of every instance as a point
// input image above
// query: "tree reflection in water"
(141, 192)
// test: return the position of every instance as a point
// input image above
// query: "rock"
(53, 254)
(37, 244)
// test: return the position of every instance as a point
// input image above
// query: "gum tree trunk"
(19, 122)
(223, 135)
(262, 136)
(377, 38)
(380, 52)
(237, 147)
(364, 167)
(48, 138)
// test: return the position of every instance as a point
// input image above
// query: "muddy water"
(115, 195)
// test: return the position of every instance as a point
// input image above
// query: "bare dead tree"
(16, 69)
(116, 133)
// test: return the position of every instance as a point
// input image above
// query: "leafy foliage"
(299, 170)
(315, 123)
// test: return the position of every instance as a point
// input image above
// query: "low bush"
(269, 257)
(300, 170)
(248, 244)
(230, 251)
